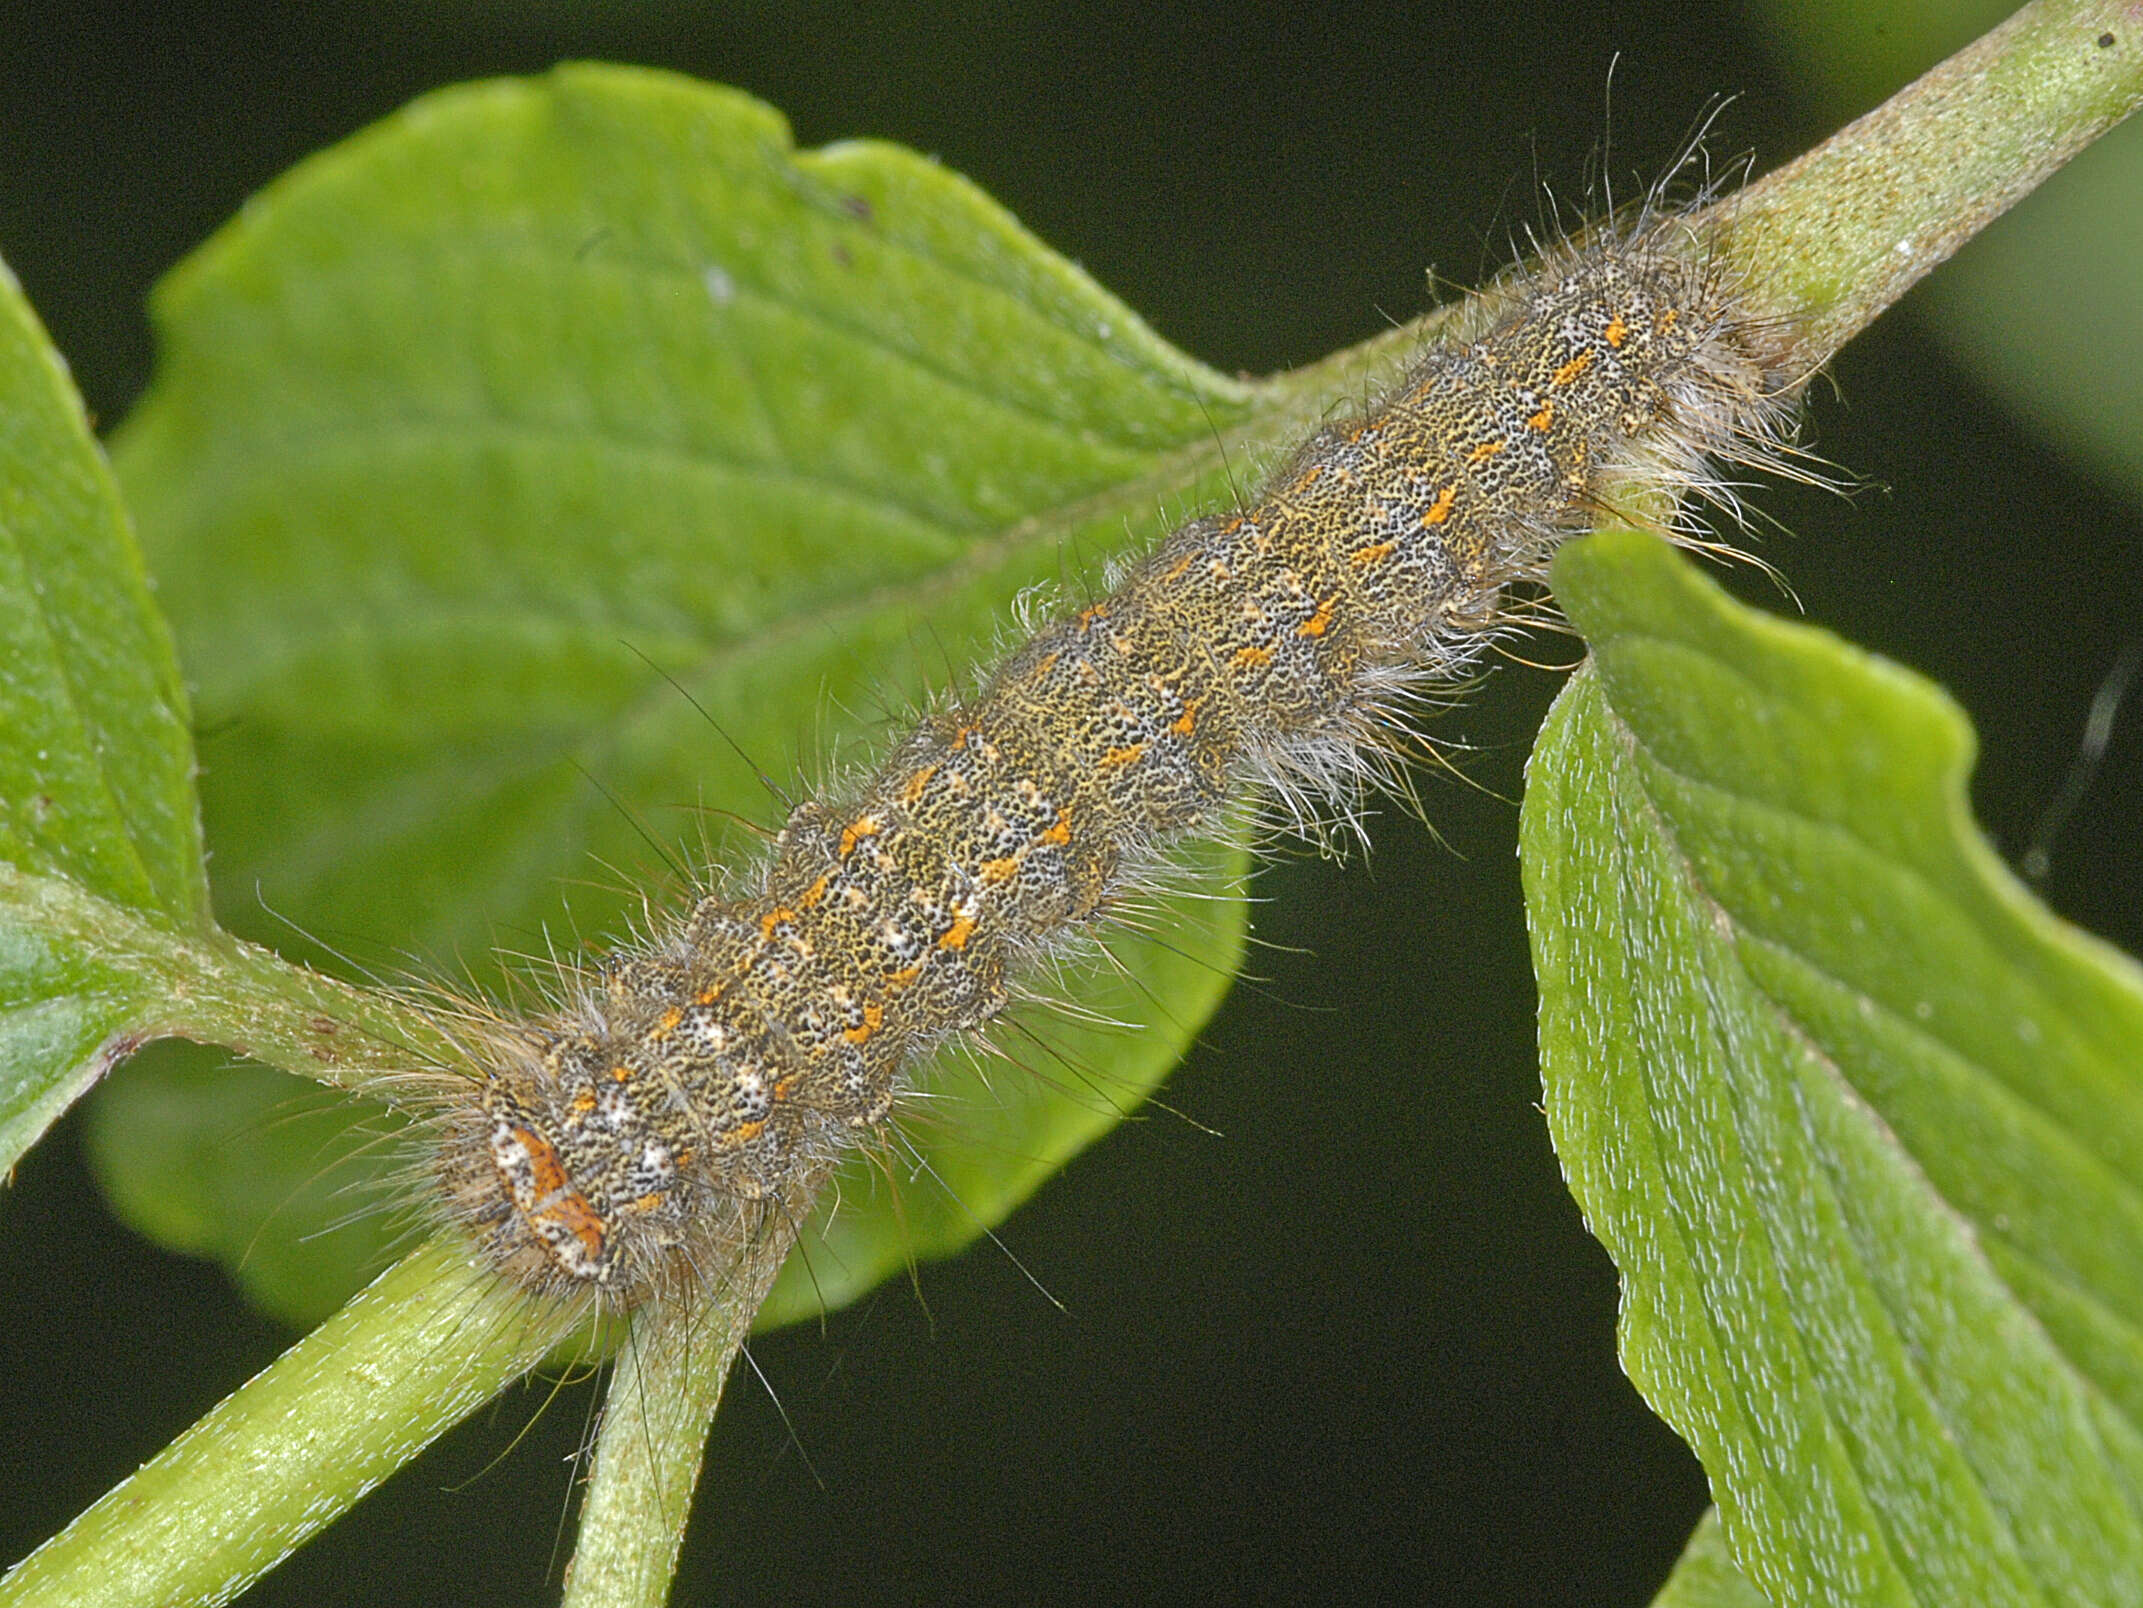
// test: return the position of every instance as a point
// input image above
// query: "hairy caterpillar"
(623, 1146)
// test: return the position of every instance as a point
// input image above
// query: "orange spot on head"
(1060, 833)
(544, 1167)
(873, 1019)
(1440, 509)
(1376, 554)
(621, 1073)
(995, 871)
(1117, 758)
(863, 826)
(1187, 722)
(706, 996)
(1541, 420)
(1572, 369)
(957, 935)
(1617, 331)
(1317, 624)
(573, 1213)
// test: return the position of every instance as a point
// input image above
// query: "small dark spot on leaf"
(857, 207)
(2106, 41)
(841, 256)
(323, 1025)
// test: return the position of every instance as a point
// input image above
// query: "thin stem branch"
(431, 1340)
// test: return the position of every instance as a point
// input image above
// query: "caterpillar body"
(620, 1146)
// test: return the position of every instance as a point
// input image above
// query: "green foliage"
(508, 462)
(1858, 1120)
(97, 822)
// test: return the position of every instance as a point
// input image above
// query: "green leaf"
(96, 774)
(1706, 1576)
(1858, 1120)
(508, 461)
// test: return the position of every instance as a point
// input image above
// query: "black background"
(1355, 1343)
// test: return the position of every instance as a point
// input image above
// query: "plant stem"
(289, 1451)
(1831, 239)
(662, 1395)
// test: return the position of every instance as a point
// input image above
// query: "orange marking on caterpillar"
(744, 1133)
(1306, 479)
(621, 1073)
(573, 1213)
(1251, 657)
(1319, 623)
(1116, 758)
(957, 935)
(813, 894)
(905, 976)
(644, 1203)
(1485, 451)
(1440, 509)
(1187, 722)
(1175, 570)
(1667, 319)
(774, 918)
(1572, 369)
(545, 1170)
(1004, 870)
(1541, 420)
(707, 996)
(1372, 555)
(863, 826)
(668, 1025)
(584, 1102)
(911, 791)
(873, 1019)
(1617, 331)
(1060, 833)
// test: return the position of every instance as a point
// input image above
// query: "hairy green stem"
(664, 1389)
(1831, 239)
(286, 1454)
